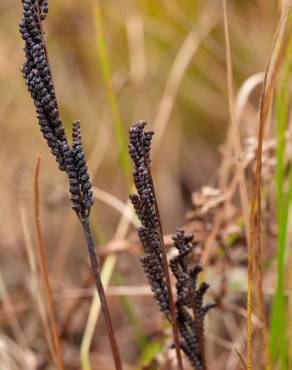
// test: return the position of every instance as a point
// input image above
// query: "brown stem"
(44, 271)
(95, 266)
(167, 279)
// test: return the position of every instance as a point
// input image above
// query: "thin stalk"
(279, 47)
(95, 267)
(43, 269)
(279, 298)
(241, 179)
(289, 315)
(167, 279)
(259, 282)
(241, 359)
(278, 326)
(106, 274)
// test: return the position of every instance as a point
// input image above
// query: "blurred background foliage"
(149, 43)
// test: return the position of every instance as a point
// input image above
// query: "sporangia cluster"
(190, 310)
(37, 75)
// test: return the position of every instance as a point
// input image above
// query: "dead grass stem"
(44, 271)
(276, 57)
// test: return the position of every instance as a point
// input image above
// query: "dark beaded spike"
(44, 8)
(81, 168)
(80, 186)
(189, 297)
(37, 76)
(144, 204)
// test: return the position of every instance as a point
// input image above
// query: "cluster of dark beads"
(38, 79)
(145, 205)
(80, 185)
(190, 310)
(189, 299)
(44, 8)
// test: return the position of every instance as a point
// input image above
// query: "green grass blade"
(278, 348)
(111, 97)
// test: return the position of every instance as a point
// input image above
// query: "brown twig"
(44, 270)
(241, 359)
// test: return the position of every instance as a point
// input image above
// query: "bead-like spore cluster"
(145, 205)
(80, 186)
(190, 310)
(38, 79)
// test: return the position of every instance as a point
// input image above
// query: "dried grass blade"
(43, 269)
(34, 281)
(278, 48)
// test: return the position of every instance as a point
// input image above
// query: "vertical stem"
(96, 273)
(260, 280)
(167, 280)
(242, 184)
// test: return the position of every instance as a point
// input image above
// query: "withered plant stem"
(167, 280)
(279, 46)
(38, 78)
(43, 269)
(95, 267)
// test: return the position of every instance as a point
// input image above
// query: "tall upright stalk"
(38, 78)
(150, 233)
(278, 319)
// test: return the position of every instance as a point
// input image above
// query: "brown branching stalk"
(38, 78)
(140, 154)
(155, 264)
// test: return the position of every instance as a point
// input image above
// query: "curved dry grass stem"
(278, 49)
(234, 124)
(34, 283)
(181, 62)
(43, 269)
(241, 359)
(244, 199)
(115, 203)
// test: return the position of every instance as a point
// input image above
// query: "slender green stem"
(111, 97)
(278, 330)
